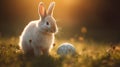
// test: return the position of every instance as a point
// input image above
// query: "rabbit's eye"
(47, 23)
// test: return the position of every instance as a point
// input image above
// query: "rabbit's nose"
(55, 30)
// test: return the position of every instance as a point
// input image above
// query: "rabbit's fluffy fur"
(38, 36)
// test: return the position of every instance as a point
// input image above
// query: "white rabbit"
(38, 36)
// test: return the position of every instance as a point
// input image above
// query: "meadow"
(89, 54)
(83, 23)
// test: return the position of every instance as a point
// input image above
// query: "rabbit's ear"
(51, 8)
(41, 10)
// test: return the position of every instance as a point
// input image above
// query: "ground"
(89, 54)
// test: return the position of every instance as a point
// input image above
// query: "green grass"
(89, 54)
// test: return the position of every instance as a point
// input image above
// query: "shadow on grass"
(41, 61)
(10, 58)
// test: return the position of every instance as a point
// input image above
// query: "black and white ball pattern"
(66, 49)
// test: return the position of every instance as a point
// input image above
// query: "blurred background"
(97, 20)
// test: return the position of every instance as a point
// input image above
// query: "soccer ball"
(66, 49)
